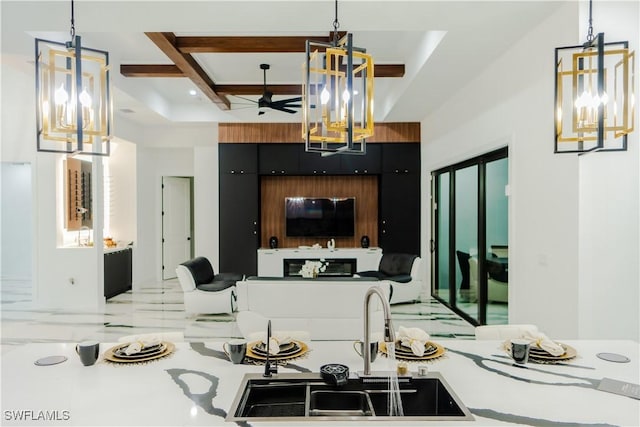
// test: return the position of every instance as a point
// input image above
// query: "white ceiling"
(443, 44)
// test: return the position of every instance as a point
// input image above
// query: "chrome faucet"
(389, 332)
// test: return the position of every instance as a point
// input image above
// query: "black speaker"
(273, 242)
(364, 242)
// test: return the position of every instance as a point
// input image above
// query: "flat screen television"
(320, 216)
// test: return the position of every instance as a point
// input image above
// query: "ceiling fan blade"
(286, 110)
(286, 101)
(246, 99)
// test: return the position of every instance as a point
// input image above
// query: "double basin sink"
(295, 397)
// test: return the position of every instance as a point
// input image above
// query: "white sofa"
(328, 309)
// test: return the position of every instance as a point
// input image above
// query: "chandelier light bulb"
(324, 96)
(85, 98)
(346, 96)
(61, 95)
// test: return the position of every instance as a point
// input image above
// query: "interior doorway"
(177, 223)
(470, 238)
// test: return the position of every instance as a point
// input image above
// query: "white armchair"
(403, 273)
(497, 291)
(204, 291)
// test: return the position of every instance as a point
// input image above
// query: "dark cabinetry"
(292, 159)
(401, 158)
(279, 159)
(367, 164)
(399, 218)
(316, 164)
(238, 158)
(117, 272)
(396, 164)
(239, 212)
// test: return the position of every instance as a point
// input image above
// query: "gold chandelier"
(594, 95)
(337, 96)
(73, 106)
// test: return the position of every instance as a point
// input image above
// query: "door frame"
(481, 162)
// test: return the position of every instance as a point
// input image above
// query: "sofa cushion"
(396, 264)
(373, 274)
(201, 270)
(400, 278)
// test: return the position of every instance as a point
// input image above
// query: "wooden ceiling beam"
(165, 70)
(188, 65)
(282, 89)
(246, 44)
(150, 70)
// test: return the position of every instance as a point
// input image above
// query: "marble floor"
(159, 307)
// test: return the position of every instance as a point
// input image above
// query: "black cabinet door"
(401, 158)
(279, 159)
(316, 164)
(239, 228)
(367, 164)
(117, 272)
(400, 213)
(238, 158)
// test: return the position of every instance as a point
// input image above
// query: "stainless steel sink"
(304, 396)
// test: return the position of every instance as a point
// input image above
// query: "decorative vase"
(364, 242)
(273, 242)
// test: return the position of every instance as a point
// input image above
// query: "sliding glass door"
(470, 235)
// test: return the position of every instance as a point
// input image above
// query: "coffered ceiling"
(424, 51)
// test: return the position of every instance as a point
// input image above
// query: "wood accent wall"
(292, 132)
(273, 191)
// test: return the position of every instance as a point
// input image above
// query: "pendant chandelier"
(594, 95)
(337, 95)
(73, 105)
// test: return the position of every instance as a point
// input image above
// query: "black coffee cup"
(236, 350)
(88, 352)
(520, 350)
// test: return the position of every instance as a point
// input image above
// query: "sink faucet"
(389, 332)
(268, 369)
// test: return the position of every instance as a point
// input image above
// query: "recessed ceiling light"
(193, 92)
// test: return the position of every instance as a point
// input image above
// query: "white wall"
(153, 164)
(609, 220)
(511, 103)
(573, 221)
(15, 229)
(189, 151)
(206, 204)
(120, 182)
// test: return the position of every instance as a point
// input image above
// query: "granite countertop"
(197, 384)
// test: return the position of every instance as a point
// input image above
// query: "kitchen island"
(196, 385)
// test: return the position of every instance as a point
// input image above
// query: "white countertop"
(196, 385)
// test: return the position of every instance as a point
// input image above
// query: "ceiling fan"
(266, 100)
